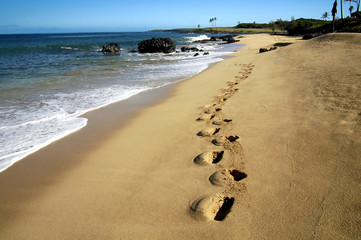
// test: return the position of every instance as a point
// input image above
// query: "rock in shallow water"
(154, 45)
(111, 48)
(189, 49)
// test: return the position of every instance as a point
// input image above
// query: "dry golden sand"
(275, 136)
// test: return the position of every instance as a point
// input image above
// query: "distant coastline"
(226, 30)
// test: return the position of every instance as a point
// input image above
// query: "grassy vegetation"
(348, 25)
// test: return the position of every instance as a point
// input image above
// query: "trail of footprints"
(229, 173)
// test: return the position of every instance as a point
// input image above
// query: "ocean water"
(48, 81)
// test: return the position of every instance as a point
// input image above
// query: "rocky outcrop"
(111, 48)
(229, 38)
(154, 45)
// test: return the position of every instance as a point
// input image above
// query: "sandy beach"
(258, 146)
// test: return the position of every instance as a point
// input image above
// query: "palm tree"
(325, 16)
(334, 11)
(211, 21)
(351, 9)
(215, 21)
(357, 2)
(341, 11)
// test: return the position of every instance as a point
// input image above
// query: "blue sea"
(48, 81)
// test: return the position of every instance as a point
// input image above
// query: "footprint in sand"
(221, 98)
(207, 158)
(208, 132)
(206, 117)
(223, 139)
(222, 177)
(239, 78)
(215, 207)
(230, 91)
(212, 110)
(232, 83)
(222, 121)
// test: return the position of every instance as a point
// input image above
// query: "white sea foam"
(197, 38)
(17, 148)
(53, 120)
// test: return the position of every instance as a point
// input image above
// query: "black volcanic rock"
(111, 48)
(189, 49)
(228, 38)
(154, 45)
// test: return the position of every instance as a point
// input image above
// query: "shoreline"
(72, 147)
(122, 112)
(55, 114)
(19, 155)
(296, 143)
(131, 106)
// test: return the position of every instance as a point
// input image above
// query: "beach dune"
(259, 146)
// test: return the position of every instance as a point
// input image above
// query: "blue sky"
(41, 16)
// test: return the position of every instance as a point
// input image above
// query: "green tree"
(273, 25)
